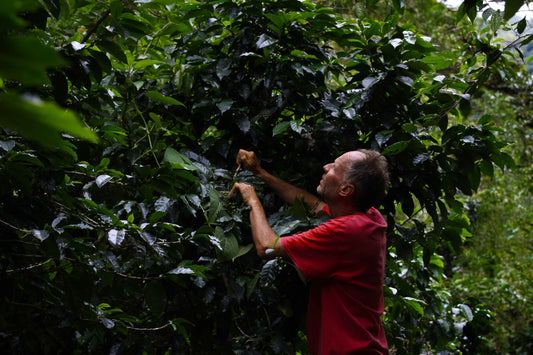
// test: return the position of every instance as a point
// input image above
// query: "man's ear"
(346, 190)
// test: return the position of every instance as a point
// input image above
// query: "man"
(344, 258)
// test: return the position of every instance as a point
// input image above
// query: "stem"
(149, 329)
(27, 268)
(15, 228)
(96, 25)
(148, 134)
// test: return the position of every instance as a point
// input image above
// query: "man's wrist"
(255, 203)
(260, 172)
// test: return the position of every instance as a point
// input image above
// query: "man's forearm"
(289, 193)
(264, 237)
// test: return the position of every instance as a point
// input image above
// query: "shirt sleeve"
(318, 252)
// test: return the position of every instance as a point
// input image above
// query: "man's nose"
(327, 167)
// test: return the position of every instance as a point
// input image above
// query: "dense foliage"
(131, 243)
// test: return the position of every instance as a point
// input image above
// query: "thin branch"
(27, 268)
(148, 134)
(94, 177)
(19, 241)
(79, 215)
(149, 329)
(240, 330)
(15, 228)
(136, 277)
(143, 278)
(96, 25)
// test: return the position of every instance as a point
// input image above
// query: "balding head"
(367, 171)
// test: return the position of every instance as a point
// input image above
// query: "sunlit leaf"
(40, 234)
(265, 41)
(103, 179)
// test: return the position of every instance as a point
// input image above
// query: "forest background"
(120, 125)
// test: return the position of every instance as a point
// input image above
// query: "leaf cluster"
(133, 244)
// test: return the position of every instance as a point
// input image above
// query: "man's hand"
(249, 161)
(264, 237)
(247, 192)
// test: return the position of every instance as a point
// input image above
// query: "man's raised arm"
(289, 193)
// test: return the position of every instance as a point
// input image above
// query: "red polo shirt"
(345, 260)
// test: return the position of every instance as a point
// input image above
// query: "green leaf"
(187, 268)
(395, 148)
(224, 105)
(485, 120)
(147, 62)
(103, 179)
(242, 251)
(503, 160)
(40, 234)
(214, 206)
(278, 20)
(286, 228)
(265, 41)
(114, 49)
(41, 121)
(414, 305)
(231, 246)
(399, 5)
(521, 26)
(439, 62)
(157, 96)
(177, 160)
(511, 8)
(116, 8)
(26, 59)
(116, 237)
(280, 128)
(466, 311)
(487, 168)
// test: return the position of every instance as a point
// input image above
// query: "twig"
(240, 330)
(94, 177)
(96, 25)
(27, 268)
(149, 329)
(148, 134)
(15, 228)
(135, 277)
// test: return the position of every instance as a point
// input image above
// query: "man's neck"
(342, 209)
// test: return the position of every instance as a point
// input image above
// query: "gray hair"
(370, 177)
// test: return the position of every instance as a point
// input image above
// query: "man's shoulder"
(374, 215)
(362, 220)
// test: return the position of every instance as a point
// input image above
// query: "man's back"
(345, 260)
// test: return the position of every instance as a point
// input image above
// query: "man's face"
(333, 175)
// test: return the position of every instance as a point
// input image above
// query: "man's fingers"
(241, 156)
(237, 171)
(232, 190)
